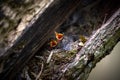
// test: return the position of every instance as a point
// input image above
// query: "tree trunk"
(97, 47)
(37, 34)
(15, 16)
(42, 20)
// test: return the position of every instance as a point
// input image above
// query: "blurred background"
(109, 67)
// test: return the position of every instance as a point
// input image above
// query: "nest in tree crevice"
(82, 22)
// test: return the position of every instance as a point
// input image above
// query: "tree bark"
(36, 36)
(15, 16)
(97, 47)
(38, 32)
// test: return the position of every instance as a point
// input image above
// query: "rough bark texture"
(36, 35)
(97, 47)
(39, 30)
(15, 16)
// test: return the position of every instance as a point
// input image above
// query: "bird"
(59, 36)
(56, 41)
(53, 43)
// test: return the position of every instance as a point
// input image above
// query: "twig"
(50, 56)
(38, 76)
(27, 75)
(104, 20)
(33, 74)
(51, 53)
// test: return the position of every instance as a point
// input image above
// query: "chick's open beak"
(59, 36)
(53, 43)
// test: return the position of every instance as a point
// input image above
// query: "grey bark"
(26, 46)
(15, 16)
(97, 47)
